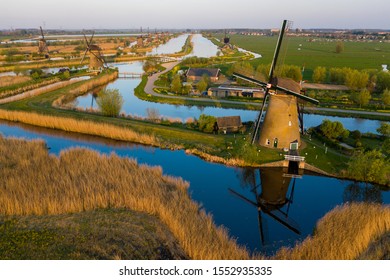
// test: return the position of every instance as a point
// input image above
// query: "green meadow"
(313, 52)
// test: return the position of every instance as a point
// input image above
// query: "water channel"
(289, 207)
(224, 191)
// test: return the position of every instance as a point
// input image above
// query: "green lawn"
(319, 52)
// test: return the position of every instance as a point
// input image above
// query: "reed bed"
(12, 80)
(27, 87)
(101, 80)
(79, 126)
(36, 183)
(217, 159)
(343, 234)
(49, 86)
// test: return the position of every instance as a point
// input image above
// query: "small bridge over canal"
(130, 75)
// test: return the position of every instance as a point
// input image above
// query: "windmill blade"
(246, 78)
(287, 222)
(296, 94)
(259, 218)
(85, 53)
(90, 41)
(242, 197)
(86, 40)
(277, 50)
(43, 37)
(103, 60)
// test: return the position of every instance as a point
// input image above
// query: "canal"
(290, 207)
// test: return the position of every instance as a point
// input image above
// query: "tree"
(203, 84)
(355, 79)
(384, 129)
(386, 147)
(370, 166)
(206, 123)
(362, 97)
(319, 74)
(386, 97)
(333, 130)
(176, 85)
(339, 47)
(383, 81)
(110, 102)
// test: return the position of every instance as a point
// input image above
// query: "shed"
(229, 124)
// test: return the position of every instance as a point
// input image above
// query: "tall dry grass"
(46, 87)
(12, 80)
(33, 182)
(101, 80)
(29, 87)
(79, 126)
(342, 234)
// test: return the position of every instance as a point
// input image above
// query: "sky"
(194, 14)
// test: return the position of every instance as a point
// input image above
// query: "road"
(150, 85)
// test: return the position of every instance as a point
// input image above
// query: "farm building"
(229, 124)
(226, 91)
(196, 74)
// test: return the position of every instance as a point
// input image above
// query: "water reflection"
(357, 192)
(271, 196)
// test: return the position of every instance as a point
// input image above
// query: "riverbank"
(87, 201)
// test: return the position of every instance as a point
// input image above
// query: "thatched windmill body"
(283, 120)
(96, 59)
(42, 45)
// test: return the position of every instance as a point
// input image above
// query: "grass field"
(319, 52)
(97, 234)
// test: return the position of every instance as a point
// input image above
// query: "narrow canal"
(224, 191)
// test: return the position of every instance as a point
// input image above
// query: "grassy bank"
(97, 234)
(81, 180)
(345, 233)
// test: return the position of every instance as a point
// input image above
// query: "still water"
(289, 207)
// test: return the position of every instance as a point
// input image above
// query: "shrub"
(110, 102)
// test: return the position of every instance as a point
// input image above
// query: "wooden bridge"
(130, 75)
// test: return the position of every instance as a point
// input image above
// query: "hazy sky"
(79, 14)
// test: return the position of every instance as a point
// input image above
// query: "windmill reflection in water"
(272, 195)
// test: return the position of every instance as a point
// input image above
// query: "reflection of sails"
(271, 196)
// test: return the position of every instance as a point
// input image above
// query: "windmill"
(96, 59)
(283, 120)
(226, 39)
(273, 199)
(42, 45)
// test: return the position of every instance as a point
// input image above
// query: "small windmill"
(284, 117)
(42, 45)
(96, 59)
(273, 199)
(226, 39)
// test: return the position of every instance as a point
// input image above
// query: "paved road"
(150, 85)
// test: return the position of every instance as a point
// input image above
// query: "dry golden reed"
(34, 182)
(12, 80)
(47, 86)
(79, 126)
(342, 234)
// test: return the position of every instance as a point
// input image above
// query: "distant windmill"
(284, 116)
(272, 198)
(226, 39)
(96, 59)
(42, 45)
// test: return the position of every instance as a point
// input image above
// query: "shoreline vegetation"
(73, 184)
